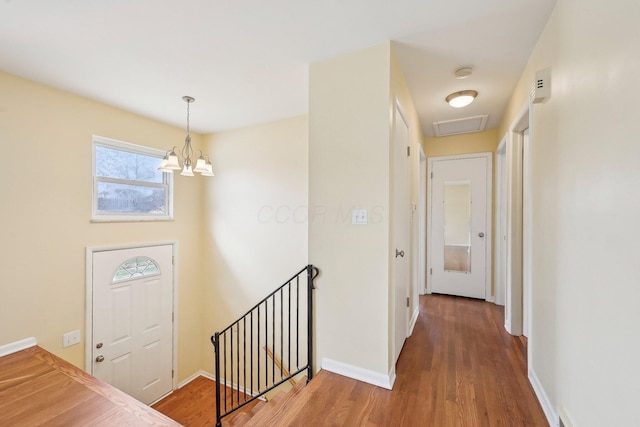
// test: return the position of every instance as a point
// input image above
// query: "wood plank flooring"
(458, 369)
(38, 388)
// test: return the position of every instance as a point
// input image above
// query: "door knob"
(481, 234)
(100, 359)
(399, 253)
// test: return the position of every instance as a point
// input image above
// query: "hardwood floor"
(38, 388)
(459, 368)
(194, 405)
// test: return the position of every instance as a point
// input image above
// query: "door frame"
(519, 231)
(409, 249)
(500, 237)
(88, 349)
(422, 225)
(488, 295)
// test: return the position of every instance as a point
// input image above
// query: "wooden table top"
(39, 388)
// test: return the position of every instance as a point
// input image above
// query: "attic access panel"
(458, 126)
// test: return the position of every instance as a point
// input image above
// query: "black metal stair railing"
(282, 321)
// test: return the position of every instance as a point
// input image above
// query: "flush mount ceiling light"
(171, 161)
(462, 98)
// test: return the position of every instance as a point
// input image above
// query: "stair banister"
(230, 379)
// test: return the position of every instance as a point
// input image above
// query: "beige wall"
(352, 99)
(255, 225)
(45, 188)
(349, 168)
(584, 335)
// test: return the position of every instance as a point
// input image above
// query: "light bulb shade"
(462, 98)
(163, 165)
(201, 165)
(187, 171)
(208, 171)
(172, 162)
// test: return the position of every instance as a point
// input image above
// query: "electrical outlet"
(71, 338)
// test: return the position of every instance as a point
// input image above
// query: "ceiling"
(246, 61)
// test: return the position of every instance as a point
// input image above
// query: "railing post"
(215, 340)
(312, 273)
(310, 277)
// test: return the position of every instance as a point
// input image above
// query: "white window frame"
(129, 217)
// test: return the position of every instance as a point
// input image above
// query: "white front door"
(132, 320)
(401, 230)
(460, 225)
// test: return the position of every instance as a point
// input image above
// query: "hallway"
(459, 368)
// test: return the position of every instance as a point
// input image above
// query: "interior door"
(459, 227)
(401, 230)
(133, 320)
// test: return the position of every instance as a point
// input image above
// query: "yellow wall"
(45, 193)
(478, 142)
(584, 333)
(256, 217)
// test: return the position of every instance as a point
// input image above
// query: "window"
(135, 268)
(127, 185)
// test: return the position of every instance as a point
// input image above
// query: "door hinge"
(173, 260)
(408, 150)
(431, 271)
(173, 317)
(172, 373)
(407, 301)
(431, 175)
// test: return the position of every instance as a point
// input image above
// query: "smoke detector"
(463, 73)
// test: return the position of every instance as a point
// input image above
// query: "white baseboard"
(414, 319)
(360, 374)
(196, 375)
(507, 326)
(552, 417)
(16, 346)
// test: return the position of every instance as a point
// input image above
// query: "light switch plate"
(71, 338)
(359, 217)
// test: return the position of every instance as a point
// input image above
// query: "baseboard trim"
(212, 377)
(196, 375)
(16, 346)
(414, 319)
(360, 374)
(552, 417)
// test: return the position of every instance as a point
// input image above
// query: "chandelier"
(172, 162)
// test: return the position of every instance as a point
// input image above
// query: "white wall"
(255, 226)
(584, 335)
